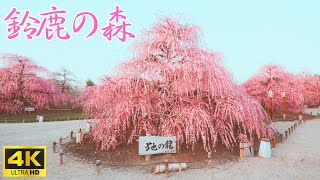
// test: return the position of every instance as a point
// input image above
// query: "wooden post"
(54, 145)
(289, 131)
(166, 162)
(209, 159)
(251, 149)
(247, 152)
(79, 137)
(60, 140)
(71, 135)
(61, 157)
(98, 163)
(241, 151)
(300, 117)
(148, 156)
(273, 142)
(286, 134)
(281, 138)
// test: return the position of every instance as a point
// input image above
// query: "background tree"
(173, 86)
(89, 82)
(65, 80)
(310, 88)
(23, 83)
(275, 78)
(85, 94)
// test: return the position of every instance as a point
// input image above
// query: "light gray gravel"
(283, 126)
(297, 158)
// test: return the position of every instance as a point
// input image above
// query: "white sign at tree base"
(157, 144)
(29, 109)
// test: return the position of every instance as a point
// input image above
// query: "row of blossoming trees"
(26, 84)
(298, 90)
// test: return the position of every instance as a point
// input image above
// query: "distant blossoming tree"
(23, 84)
(311, 89)
(85, 94)
(174, 87)
(89, 83)
(84, 97)
(275, 78)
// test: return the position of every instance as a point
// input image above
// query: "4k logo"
(24, 161)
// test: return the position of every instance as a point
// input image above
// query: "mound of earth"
(127, 155)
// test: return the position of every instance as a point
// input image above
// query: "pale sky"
(248, 34)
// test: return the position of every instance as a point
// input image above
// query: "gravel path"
(297, 158)
(283, 126)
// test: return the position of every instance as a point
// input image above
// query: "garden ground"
(49, 115)
(297, 158)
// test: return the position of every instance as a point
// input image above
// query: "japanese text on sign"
(29, 109)
(157, 144)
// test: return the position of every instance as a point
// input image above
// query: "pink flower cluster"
(298, 90)
(23, 84)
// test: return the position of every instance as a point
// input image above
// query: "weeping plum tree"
(174, 87)
(277, 79)
(23, 84)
